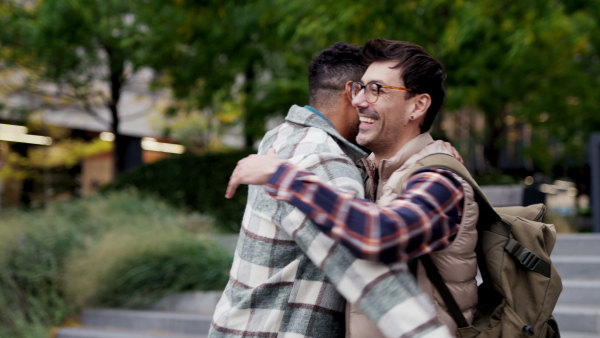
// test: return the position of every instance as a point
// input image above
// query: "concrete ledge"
(577, 267)
(580, 319)
(193, 302)
(182, 323)
(107, 333)
(577, 245)
(580, 292)
(504, 195)
(564, 334)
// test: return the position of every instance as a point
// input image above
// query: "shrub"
(136, 266)
(195, 182)
(37, 246)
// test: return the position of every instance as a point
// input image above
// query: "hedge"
(99, 251)
(195, 182)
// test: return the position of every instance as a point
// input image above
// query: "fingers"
(231, 188)
(253, 169)
(236, 178)
(459, 158)
(454, 152)
(233, 182)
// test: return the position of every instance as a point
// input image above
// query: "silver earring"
(412, 117)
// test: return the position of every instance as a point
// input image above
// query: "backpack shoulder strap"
(448, 162)
(489, 219)
(436, 279)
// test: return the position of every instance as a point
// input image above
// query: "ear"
(348, 91)
(422, 103)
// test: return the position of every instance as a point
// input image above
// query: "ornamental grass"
(116, 249)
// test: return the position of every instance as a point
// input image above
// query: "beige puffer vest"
(457, 263)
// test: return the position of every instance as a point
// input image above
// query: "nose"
(359, 101)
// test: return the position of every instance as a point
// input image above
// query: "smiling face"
(386, 125)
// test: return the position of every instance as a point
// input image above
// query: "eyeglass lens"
(371, 91)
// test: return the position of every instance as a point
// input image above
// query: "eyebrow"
(376, 81)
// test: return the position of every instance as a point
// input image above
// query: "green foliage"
(194, 182)
(77, 54)
(37, 248)
(230, 52)
(136, 267)
(535, 61)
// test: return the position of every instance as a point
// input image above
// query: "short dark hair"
(331, 69)
(420, 71)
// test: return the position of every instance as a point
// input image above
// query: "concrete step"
(576, 335)
(203, 302)
(580, 292)
(181, 323)
(577, 245)
(577, 267)
(577, 259)
(90, 332)
(578, 319)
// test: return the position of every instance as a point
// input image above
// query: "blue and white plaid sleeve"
(425, 218)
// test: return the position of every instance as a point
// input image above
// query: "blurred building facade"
(42, 136)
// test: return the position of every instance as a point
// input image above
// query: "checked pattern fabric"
(288, 279)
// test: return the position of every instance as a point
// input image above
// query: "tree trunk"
(116, 67)
(28, 183)
(118, 144)
(493, 141)
(248, 118)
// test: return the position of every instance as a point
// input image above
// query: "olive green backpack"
(520, 285)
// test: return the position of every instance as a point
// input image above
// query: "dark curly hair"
(329, 71)
(420, 71)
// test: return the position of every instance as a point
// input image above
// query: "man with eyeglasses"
(288, 279)
(433, 213)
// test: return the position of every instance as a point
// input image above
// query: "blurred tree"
(534, 62)
(519, 61)
(224, 54)
(74, 53)
(531, 60)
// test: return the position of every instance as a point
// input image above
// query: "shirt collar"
(398, 161)
(311, 117)
(314, 110)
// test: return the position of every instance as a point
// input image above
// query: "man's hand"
(254, 169)
(452, 151)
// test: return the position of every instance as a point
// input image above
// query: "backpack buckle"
(529, 260)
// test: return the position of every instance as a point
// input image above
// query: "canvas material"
(526, 298)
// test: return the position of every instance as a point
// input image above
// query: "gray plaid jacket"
(288, 278)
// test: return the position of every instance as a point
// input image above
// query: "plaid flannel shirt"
(424, 219)
(285, 272)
